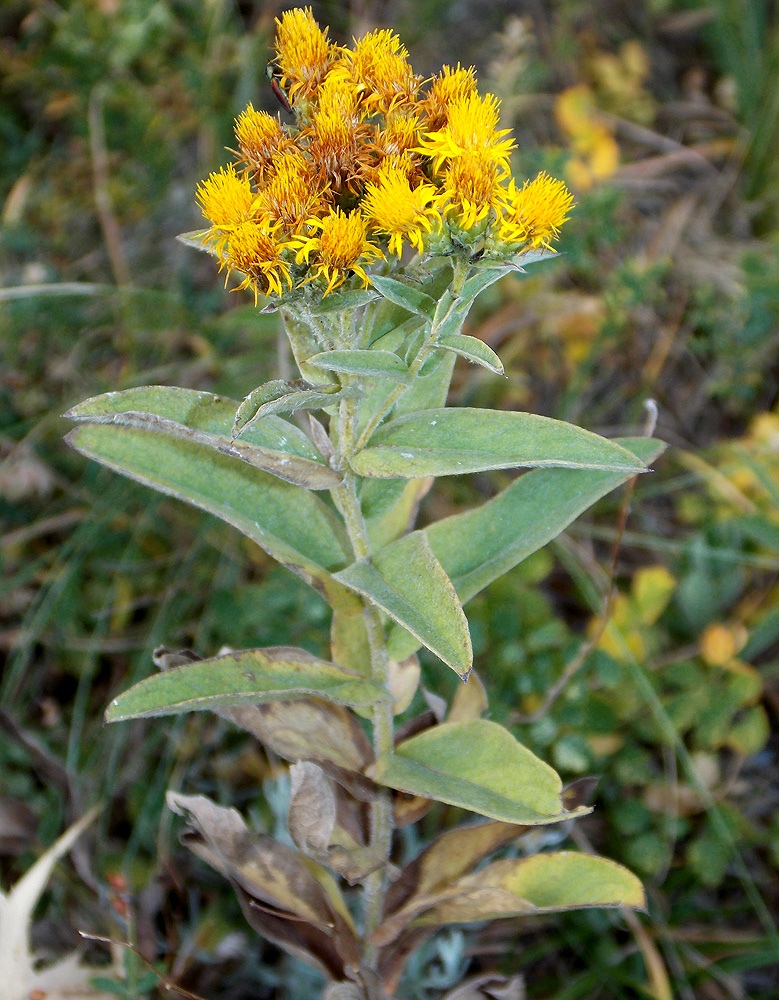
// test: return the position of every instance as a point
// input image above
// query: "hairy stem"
(381, 810)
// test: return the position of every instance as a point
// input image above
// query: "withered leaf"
(282, 894)
(489, 987)
(312, 809)
(314, 730)
(469, 702)
(313, 820)
(451, 855)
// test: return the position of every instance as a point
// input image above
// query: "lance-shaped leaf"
(447, 442)
(404, 295)
(480, 545)
(197, 239)
(543, 883)
(340, 301)
(275, 445)
(246, 677)
(457, 852)
(279, 396)
(407, 582)
(288, 898)
(289, 522)
(477, 765)
(473, 350)
(373, 364)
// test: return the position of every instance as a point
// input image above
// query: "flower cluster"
(373, 161)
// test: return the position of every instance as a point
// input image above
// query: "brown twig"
(100, 173)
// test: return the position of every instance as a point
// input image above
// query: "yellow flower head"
(450, 86)
(399, 135)
(471, 188)
(534, 214)
(337, 139)
(225, 198)
(260, 139)
(396, 209)
(471, 125)
(380, 69)
(255, 252)
(302, 51)
(290, 196)
(340, 246)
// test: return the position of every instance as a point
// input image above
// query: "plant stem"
(381, 809)
(460, 270)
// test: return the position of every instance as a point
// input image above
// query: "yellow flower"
(254, 251)
(225, 198)
(302, 50)
(290, 196)
(399, 135)
(260, 139)
(379, 67)
(393, 207)
(339, 247)
(450, 86)
(337, 139)
(471, 188)
(534, 214)
(471, 125)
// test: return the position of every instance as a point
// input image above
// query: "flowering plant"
(371, 222)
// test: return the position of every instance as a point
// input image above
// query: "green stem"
(460, 270)
(383, 731)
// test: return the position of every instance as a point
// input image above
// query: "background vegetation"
(662, 116)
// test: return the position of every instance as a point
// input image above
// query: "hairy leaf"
(445, 442)
(477, 765)
(404, 295)
(473, 350)
(289, 522)
(243, 677)
(480, 545)
(406, 581)
(275, 446)
(374, 364)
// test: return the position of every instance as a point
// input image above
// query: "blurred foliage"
(663, 116)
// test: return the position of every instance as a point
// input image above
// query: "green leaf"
(374, 364)
(289, 522)
(195, 239)
(407, 582)
(480, 545)
(477, 765)
(543, 883)
(279, 396)
(404, 295)
(248, 676)
(474, 350)
(428, 391)
(448, 442)
(340, 301)
(202, 417)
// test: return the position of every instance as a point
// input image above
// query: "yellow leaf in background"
(619, 79)
(764, 430)
(652, 589)
(596, 153)
(720, 643)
